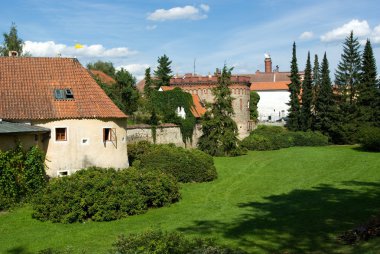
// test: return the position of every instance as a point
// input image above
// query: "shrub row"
(103, 195)
(186, 165)
(22, 174)
(168, 243)
(276, 137)
(370, 138)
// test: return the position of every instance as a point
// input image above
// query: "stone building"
(240, 90)
(55, 103)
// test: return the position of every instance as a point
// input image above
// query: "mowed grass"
(293, 200)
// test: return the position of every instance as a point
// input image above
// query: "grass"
(295, 200)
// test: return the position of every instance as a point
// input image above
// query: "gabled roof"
(28, 84)
(270, 86)
(106, 79)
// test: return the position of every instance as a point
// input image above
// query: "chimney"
(268, 63)
(13, 53)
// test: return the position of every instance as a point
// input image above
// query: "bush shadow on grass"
(300, 221)
(18, 250)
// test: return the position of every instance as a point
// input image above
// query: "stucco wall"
(84, 146)
(272, 104)
(27, 141)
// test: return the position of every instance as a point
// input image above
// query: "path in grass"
(294, 199)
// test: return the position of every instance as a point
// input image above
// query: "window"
(109, 134)
(63, 94)
(60, 134)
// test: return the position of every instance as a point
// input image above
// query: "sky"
(132, 34)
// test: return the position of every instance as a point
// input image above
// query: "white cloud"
(186, 12)
(152, 27)
(205, 7)
(50, 49)
(360, 28)
(375, 35)
(137, 70)
(306, 35)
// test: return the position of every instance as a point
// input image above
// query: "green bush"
(309, 138)
(276, 137)
(257, 142)
(103, 195)
(186, 165)
(22, 173)
(159, 242)
(370, 138)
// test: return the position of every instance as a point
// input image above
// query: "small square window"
(60, 134)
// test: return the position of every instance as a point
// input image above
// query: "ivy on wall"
(166, 104)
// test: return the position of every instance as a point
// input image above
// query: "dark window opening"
(60, 134)
(109, 134)
(63, 94)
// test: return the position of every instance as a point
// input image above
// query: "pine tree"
(324, 104)
(368, 91)
(347, 75)
(11, 42)
(219, 129)
(293, 122)
(163, 73)
(148, 83)
(307, 97)
(316, 77)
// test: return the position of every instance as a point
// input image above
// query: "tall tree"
(347, 75)
(293, 122)
(368, 90)
(306, 97)
(106, 67)
(324, 104)
(148, 83)
(12, 42)
(254, 99)
(316, 77)
(163, 73)
(219, 129)
(126, 91)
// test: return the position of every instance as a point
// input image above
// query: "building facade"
(85, 128)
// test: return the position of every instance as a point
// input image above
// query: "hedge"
(103, 195)
(22, 173)
(276, 137)
(160, 242)
(370, 138)
(186, 165)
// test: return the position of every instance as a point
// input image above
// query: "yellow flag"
(78, 46)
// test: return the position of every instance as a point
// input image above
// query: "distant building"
(55, 103)
(273, 88)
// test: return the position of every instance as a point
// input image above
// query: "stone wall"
(165, 134)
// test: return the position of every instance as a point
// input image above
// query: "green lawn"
(294, 200)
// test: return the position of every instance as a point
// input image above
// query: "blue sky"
(134, 33)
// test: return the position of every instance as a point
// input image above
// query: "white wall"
(273, 104)
(84, 146)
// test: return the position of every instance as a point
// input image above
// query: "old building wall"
(8, 142)
(85, 145)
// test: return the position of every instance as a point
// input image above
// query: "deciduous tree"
(11, 42)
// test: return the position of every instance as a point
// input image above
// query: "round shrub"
(370, 138)
(164, 243)
(309, 138)
(186, 165)
(136, 149)
(103, 195)
(257, 142)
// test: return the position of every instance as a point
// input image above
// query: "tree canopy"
(163, 73)
(12, 42)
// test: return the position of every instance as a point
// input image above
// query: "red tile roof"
(103, 77)
(270, 86)
(198, 110)
(27, 86)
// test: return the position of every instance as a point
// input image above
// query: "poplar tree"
(293, 122)
(163, 73)
(148, 83)
(324, 103)
(306, 97)
(11, 42)
(368, 90)
(220, 131)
